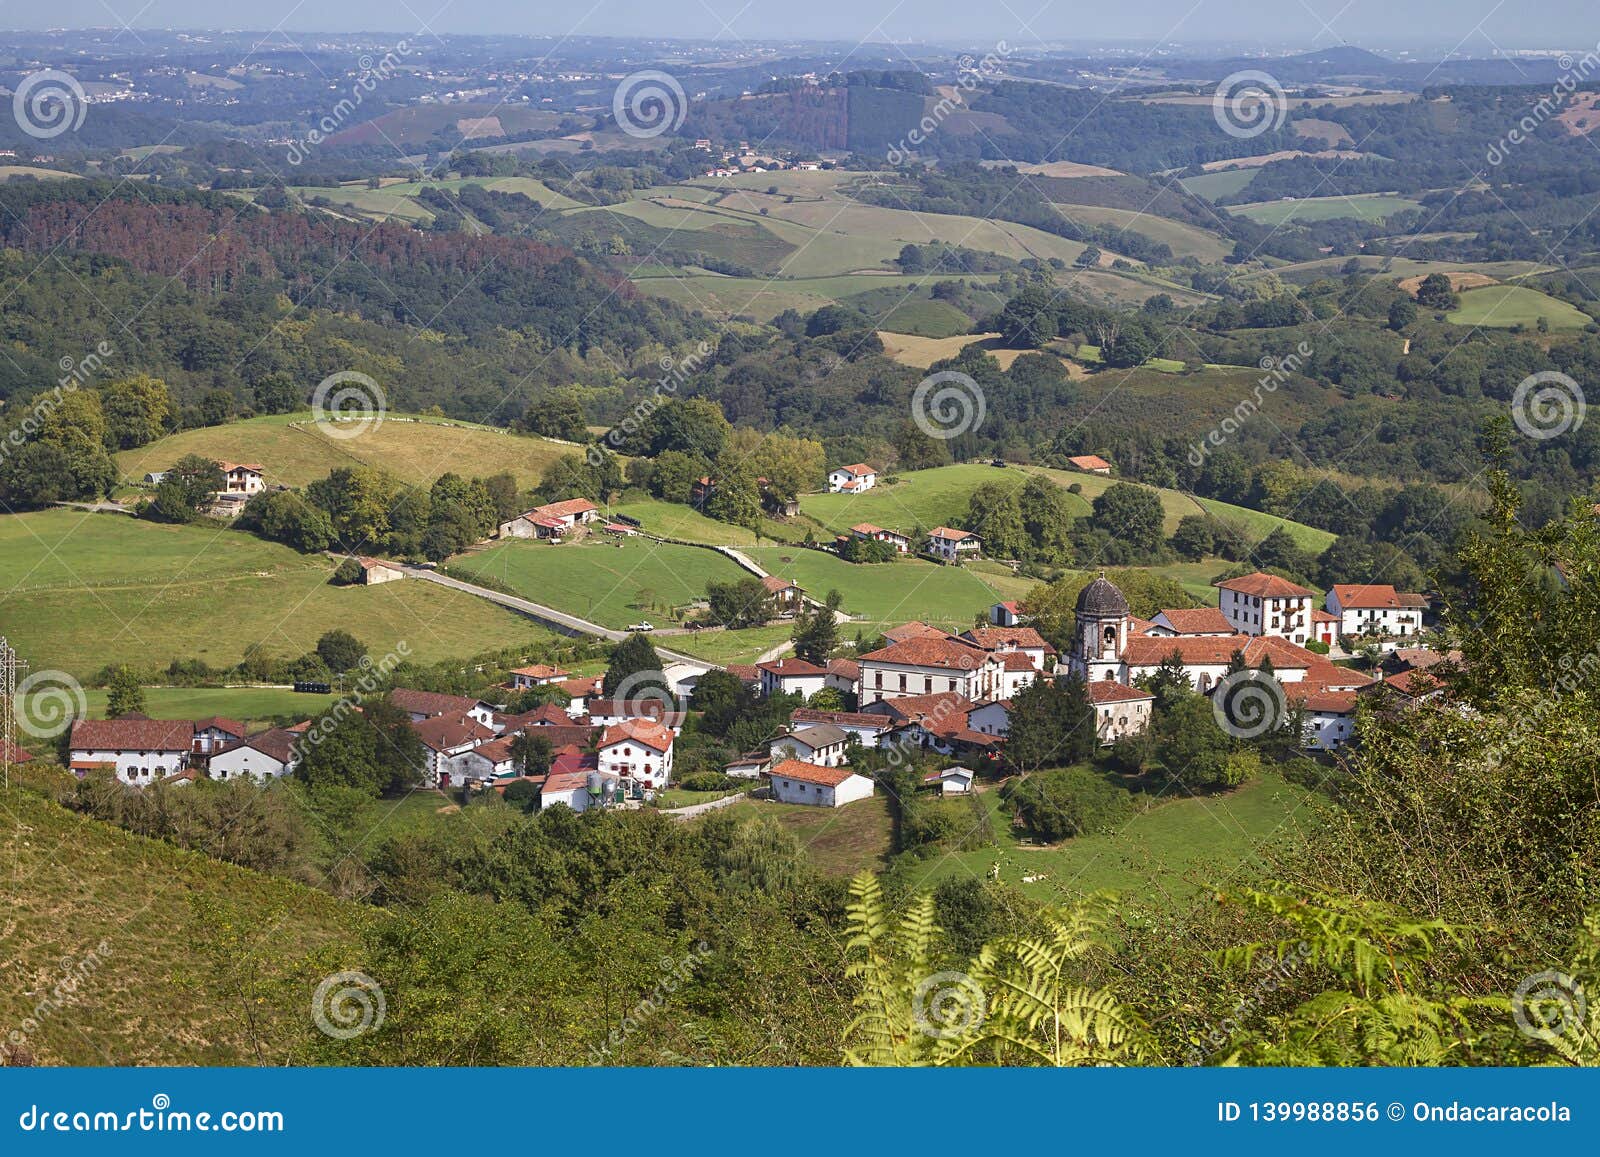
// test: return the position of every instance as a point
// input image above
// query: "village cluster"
(924, 687)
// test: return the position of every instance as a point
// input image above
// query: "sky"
(1479, 27)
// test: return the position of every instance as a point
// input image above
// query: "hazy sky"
(1479, 26)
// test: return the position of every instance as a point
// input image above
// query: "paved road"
(559, 620)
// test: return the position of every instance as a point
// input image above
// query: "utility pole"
(11, 668)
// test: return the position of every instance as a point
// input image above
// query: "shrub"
(708, 781)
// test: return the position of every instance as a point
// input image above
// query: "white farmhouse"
(792, 677)
(139, 751)
(269, 755)
(1375, 609)
(822, 744)
(1264, 604)
(852, 479)
(805, 783)
(639, 750)
(952, 545)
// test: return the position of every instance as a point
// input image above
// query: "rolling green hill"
(75, 887)
(80, 591)
(294, 450)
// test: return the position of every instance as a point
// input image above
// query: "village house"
(137, 750)
(1193, 621)
(577, 782)
(1008, 640)
(991, 718)
(1090, 464)
(1324, 627)
(914, 630)
(792, 677)
(535, 675)
(864, 725)
(1119, 709)
(242, 478)
(922, 666)
(422, 705)
(796, 782)
(581, 691)
(639, 750)
(1264, 604)
(787, 596)
(951, 545)
(956, 780)
(1006, 614)
(492, 760)
(1330, 718)
(821, 743)
(752, 766)
(894, 538)
(269, 755)
(446, 739)
(1375, 609)
(375, 571)
(852, 479)
(215, 733)
(553, 520)
(843, 675)
(609, 712)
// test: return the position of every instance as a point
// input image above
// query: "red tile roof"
(838, 718)
(12, 754)
(996, 638)
(785, 668)
(1090, 462)
(1012, 660)
(1197, 620)
(744, 672)
(1320, 616)
(950, 534)
(642, 731)
(811, 773)
(567, 509)
(1203, 650)
(430, 702)
(1366, 596)
(1110, 691)
(943, 653)
(223, 724)
(1265, 586)
(866, 528)
(539, 671)
(939, 704)
(775, 584)
(278, 743)
(858, 469)
(846, 669)
(444, 732)
(128, 734)
(583, 688)
(914, 630)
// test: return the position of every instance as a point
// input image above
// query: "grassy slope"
(925, 498)
(1163, 856)
(295, 451)
(1502, 306)
(253, 706)
(1373, 207)
(838, 841)
(889, 593)
(71, 883)
(1260, 525)
(609, 583)
(1223, 184)
(78, 592)
(1186, 240)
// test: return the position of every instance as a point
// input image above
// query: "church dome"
(1102, 599)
